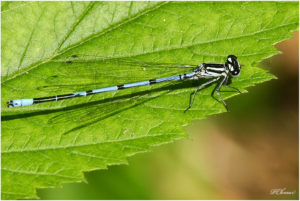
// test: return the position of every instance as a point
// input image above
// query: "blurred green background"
(243, 154)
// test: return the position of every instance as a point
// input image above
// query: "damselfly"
(214, 72)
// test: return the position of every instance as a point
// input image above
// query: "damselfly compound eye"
(229, 60)
(234, 66)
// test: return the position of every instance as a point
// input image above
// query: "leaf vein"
(39, 173)
(77, 22)
(81, 145)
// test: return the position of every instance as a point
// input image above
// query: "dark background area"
(243, 154)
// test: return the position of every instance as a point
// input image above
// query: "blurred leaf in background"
(47, 144)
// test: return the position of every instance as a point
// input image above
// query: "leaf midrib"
(113, 27)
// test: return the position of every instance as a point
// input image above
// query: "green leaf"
(46, 144)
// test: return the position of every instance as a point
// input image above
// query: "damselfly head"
(233, 66)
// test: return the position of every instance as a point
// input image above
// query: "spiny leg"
(218, 89)
(198, 88)
(225, 83)
(233, 88)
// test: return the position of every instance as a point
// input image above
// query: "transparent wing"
(96, 111)
(120, 61)
(83, 72)
(91, 112)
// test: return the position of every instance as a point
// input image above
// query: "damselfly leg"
(198, 88)
(218, 89)
(232, 88)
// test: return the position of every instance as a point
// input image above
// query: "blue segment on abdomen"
(22, 102)
(83, 93)
(136, 84)
(114, 88)
(168, 78)
(190, 74)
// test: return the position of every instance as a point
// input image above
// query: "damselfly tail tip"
(10, 104)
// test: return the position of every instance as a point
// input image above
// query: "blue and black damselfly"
(213, 72)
